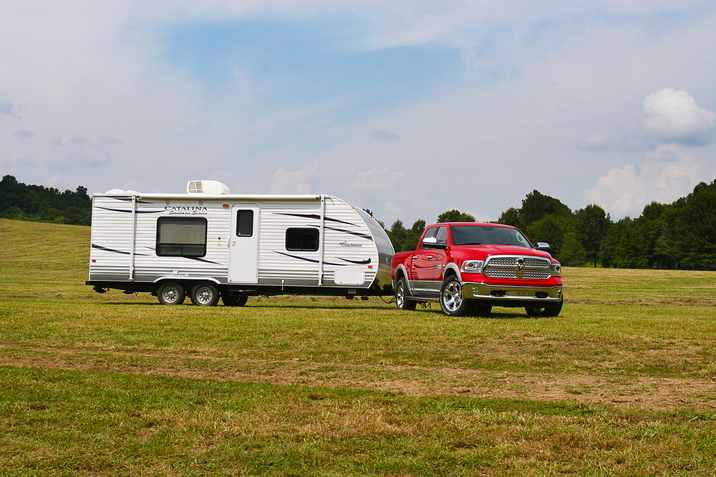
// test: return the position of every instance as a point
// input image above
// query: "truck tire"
(401, 290)
(482, 310)
(234, 300)
(205, 294)
(544, 310)
(451, 299)
(171, 293)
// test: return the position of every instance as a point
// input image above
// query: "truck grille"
(515, 266)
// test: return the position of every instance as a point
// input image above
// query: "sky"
(406, 108)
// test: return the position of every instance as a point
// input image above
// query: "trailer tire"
(171, 293)
(205, 294)
(234, 300)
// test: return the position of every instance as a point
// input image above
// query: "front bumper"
(483, 291)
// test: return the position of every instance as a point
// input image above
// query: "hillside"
(41, 258)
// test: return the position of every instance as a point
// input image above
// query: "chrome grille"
(508, 266)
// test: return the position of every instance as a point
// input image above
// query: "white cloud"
(380, 179)
(674, 116)
(670, 172)
(595, 142)
(296, 182)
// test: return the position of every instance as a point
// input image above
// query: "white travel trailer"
(209, 243)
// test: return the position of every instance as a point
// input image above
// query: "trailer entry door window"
(244, 223)
(181, 236)
(305, 240)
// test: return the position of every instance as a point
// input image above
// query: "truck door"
(440, 258)
(423, 265)
(244, 244)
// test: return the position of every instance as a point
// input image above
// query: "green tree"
(591, 226)
(510, 217)
(537, 206)
(695, 228)
(552, 229)
(397, 235)
(44, 203)
(412, 235)
(455, 216)
(572, 253)
(610, 243)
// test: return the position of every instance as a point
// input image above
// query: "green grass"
(621, 383)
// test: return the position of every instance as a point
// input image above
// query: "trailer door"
(244, 244)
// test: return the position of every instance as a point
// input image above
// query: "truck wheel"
(401, 302)
(544, 310)
(234, 300)
(171, 293)
(205, 294)
(451, 300)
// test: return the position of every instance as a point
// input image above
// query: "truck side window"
(305, 240)
(181, 236)
(429, 233)
(441, 235)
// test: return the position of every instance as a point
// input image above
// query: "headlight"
(472, 266)
(556, 270)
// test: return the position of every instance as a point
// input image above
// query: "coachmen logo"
(520, 267)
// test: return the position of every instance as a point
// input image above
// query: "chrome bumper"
(484, 291)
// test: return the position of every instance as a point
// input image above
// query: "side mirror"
(430, 241)
(544, 246)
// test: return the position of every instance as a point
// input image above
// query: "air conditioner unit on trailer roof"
(207, 187)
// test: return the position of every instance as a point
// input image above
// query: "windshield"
(488, 235)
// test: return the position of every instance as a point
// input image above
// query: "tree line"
(43, 204)
(680, 235)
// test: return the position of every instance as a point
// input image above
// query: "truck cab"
(471, 267)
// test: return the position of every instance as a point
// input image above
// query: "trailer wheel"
(451, 299)
(205, 294)
(171, 293)
(402, 303)
(234, 300)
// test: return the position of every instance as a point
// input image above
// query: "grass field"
(623, 382)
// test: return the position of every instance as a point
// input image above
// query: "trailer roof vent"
(207, 187)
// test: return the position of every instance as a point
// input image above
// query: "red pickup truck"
(471, 267)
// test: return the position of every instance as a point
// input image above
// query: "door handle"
(415, 257)
(429, 257)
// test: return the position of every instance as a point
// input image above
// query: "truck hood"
(485, 251)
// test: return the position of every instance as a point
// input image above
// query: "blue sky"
(406, 108)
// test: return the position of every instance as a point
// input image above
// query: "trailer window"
(244, 223)
(181, 236)
(302, 240)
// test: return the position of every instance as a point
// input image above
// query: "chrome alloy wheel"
(452, 297)
(400, 295)
(451, 300)
(401, 301)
